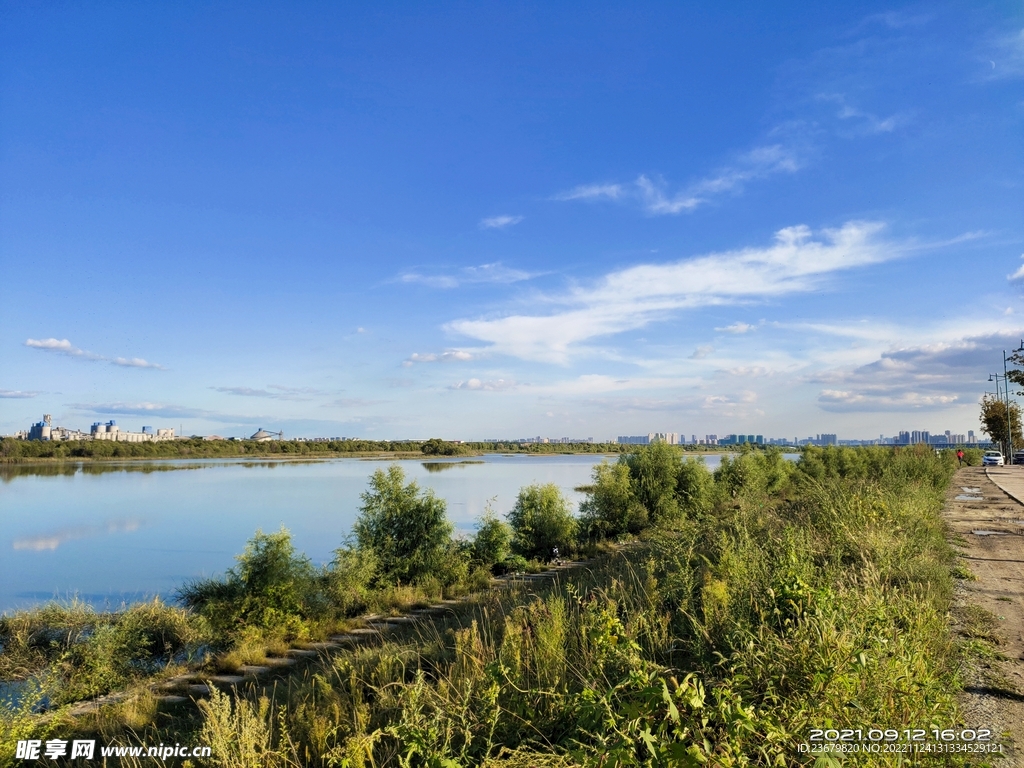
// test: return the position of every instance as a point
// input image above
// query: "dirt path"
(986, 522)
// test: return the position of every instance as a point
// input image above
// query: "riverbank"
(20, 451)
(762, 601)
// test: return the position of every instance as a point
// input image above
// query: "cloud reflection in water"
(50, 541)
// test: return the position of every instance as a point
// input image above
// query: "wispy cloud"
(485, 273)
(143, 409)
(16, 394)
(134, 362)
(499, 222)
(654, 197)
(631, 298)
(451, 356)
(273, 392)
(701, 352)
(1005, 55)
(354, 402)
(736, 328)
(593, 192)
(867, 122)
(65, 347)
(495, 385)
(1019, 274)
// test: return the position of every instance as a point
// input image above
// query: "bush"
(654, 471)
(406, 529)
(271, 587)
(695, 488)
(612, 508)
(349, 578)
(493, 540)
(541, 521)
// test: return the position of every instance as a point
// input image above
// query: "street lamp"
(1006, 392)
(1001, 395)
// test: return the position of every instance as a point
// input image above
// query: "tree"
(993, 421)
(493, 541)
(612, 508)
(270, 587)
(654, 470)
(406, 529)
(541, 520)
(435, 446)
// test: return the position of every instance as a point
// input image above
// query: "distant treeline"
(12, 449)
(194, 448)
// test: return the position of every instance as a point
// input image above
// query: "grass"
(773, 599)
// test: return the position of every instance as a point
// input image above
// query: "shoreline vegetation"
(14, 451)
(754, 603)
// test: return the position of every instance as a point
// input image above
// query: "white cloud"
(736, 328)
(451, 356)
(495, 272)
(135, 362)
(867, 122)
(917, 376)
(593, 192)
(60, 347)
(701, 352)
(273, 392)
(143, 409)
(496, 385)
(499, 222)
(1005, 55)
(65, 347)
(1019, 274)
(652, 196)
(16, 394)
(354, 402)
(632, 298)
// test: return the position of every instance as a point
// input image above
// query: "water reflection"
(9, 472)
(50, 541)
(441, 466)
(144, 527)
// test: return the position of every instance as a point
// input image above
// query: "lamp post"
(1001, 396)
(1006, 393)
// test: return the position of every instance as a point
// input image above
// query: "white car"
(992, 459)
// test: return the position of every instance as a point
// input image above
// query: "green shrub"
(541, 520)
(349, 577)
(271, 587)
(493, 540)
(406, 529)
(611, 508)
(654, 472)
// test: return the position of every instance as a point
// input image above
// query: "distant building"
(827, 439)
(110, 431)
(741, 439)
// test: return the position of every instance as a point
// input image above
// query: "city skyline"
(470, 221)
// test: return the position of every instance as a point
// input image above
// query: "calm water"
(121, 532)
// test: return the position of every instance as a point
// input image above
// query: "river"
(114, 533)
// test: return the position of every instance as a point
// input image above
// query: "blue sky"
(482, 219)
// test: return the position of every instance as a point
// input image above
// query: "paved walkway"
(1009, 479)
(985, 515)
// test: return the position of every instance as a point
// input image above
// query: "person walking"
(960, 457)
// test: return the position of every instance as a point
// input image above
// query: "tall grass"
(772, 598)
(807, 596)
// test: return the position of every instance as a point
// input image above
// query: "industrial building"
(44, 430)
